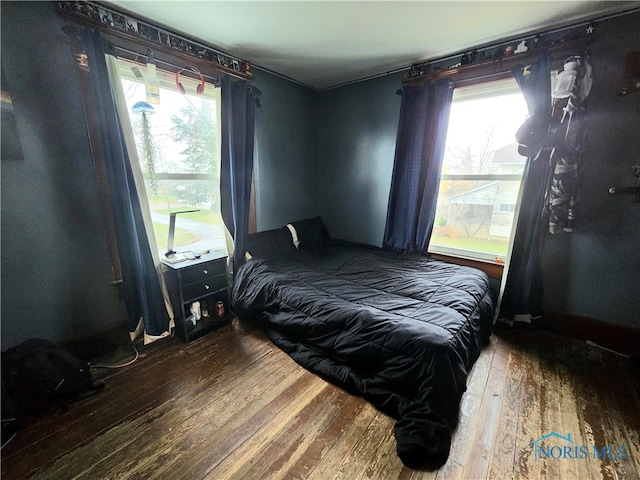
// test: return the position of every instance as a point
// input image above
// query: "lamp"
(172, 230)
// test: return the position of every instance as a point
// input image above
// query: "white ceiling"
(327, 43)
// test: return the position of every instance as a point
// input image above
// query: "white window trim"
(489, 177)
(466, 253)
(167, 81)
(472, 92)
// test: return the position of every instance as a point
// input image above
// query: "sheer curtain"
(422, 131)
(149, 312)
(522, 290)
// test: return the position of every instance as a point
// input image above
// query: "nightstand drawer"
(205, 287)
(203, 271)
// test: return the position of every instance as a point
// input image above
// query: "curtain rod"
(215, 79)
(532, 33)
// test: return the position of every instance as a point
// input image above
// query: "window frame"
(167, 81)
(466, 255)
(190, 83)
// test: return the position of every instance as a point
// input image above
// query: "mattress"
(400, 330)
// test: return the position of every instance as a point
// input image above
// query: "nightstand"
(201, 280)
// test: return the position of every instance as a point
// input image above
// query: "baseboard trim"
(620, 338)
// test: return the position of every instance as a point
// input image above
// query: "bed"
(400, 330)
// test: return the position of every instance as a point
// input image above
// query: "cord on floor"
(122, 365)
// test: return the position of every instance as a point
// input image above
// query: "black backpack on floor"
(40, 377)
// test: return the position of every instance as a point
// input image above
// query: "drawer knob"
(206, 287)
(205, 271)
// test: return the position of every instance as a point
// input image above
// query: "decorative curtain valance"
(128, 31)
(503, 57)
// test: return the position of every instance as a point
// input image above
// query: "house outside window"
(178, 145)
(481, 172)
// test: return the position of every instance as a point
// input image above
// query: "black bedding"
(402, 331)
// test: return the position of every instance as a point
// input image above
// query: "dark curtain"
(141, 286)
(422, 130)
(236, 169)
(523, 288)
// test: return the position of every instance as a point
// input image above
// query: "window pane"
(178, 147)
(481, 172)
(195, 231)
(475, 215)
(480, 128)
(183, 131)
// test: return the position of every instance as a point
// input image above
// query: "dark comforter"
(402, 331)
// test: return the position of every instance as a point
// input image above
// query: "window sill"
(492, 269)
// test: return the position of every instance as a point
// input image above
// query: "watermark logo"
(555, 446)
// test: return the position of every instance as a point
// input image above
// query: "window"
(178, 145)
(508, 207)
(481, 172)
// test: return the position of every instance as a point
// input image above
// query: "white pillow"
(294, 235)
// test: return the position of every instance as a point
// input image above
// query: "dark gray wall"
(285, 152)
(356, 144)
(595, 271)
(55, 264)
(327, 153)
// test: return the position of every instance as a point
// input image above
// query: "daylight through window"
(481, 172)
(178, 145)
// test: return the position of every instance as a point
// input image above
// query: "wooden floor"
(231, 405)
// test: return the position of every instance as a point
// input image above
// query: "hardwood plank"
(273, 459)
(231, 405)
(89, 418)
(569, 422)
(126, 390)
(623, 395)
(340, 451)
(470, 406)
(601, 415)
(424, 475)
(168, 422)
(632, 437)
(503, 457)
(357, 461)
(476, 465)
(325, 440)
(550, 415)
(500, 352)
(384, 462)
(595, 425)
(270, 420)
(195, 444)
(529, 428)
(451, 470)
